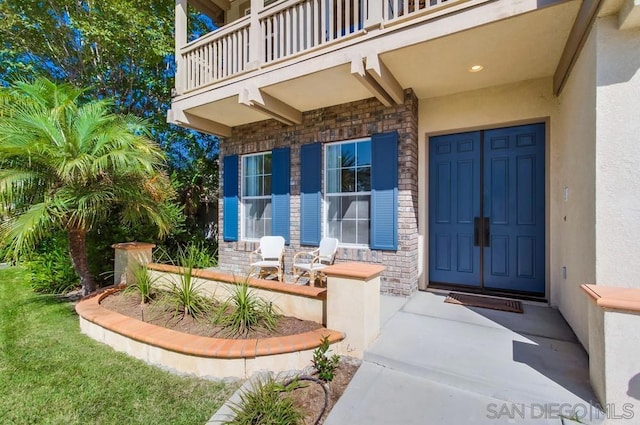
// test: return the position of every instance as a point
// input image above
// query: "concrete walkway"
(438, 363)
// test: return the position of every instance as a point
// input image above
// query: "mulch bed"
(308, 398)
(311, 397)
(163, 315)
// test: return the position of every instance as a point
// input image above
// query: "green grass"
(52, 374)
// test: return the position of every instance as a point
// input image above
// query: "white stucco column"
(614, 364)
(617, 197)
(255, 43)
(373, 16)
(180, 41)
(127, 256)
(353, 305)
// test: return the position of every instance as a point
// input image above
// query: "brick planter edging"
(199, 346)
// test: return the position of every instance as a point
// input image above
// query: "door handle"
(476, 231)
(487, 231)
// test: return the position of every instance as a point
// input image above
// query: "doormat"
(484, 302)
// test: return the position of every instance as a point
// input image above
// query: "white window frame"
(243, 229)
(325, 194)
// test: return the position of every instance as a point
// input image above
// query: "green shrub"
(51, 268)
(325, 365)
(199, 254)
(267, 404)
(244, 311)
(101, 238)
(143, 284)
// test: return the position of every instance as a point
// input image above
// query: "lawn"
(52, 374)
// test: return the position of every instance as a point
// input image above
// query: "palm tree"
(68, 164)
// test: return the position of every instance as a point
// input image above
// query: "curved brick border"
(200, 346)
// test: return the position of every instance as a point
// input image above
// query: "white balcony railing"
(295, 26)
(217, 55)
(399, 9)
(286, 28)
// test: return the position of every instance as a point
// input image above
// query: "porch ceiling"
(521, 48)
(228, 112)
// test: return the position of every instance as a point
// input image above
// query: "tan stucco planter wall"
(303, 302)
(197, 355)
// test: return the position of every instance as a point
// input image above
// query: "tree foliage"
(67, 164)
(122, 50)
(119, 49)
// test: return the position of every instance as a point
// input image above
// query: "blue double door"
(487, 209)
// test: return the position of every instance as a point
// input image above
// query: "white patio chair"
(271, 253)
(317, 260)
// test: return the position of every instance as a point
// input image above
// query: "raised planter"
(303, 302)
(197, 355)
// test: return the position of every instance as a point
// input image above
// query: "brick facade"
(333, 124)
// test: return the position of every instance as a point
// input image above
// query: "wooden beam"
(358, 71)
(180, 39)
(194, 122)
(379, 71)
(210, 9)
(255, 98)
(222, 4)
(629, 15)
(577, 37)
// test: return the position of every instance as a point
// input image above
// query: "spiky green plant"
(244, 311)
(267, 404)
(143, 284)
(185, 295)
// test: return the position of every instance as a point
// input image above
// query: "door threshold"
(440, 288)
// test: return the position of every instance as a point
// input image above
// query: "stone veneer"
(333, 124)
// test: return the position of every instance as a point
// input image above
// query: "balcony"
(288, 28)
(290, 56)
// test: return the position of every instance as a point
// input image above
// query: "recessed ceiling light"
(476, 68)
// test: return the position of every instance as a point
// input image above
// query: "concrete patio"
(448, 364)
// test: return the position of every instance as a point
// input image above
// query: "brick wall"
(333, 124)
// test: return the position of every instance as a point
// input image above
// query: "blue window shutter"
(280, 206)
(310, 198)
(230, 194)
(384, 191)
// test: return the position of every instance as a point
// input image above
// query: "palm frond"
(66, 163)
(22, 232)
(18, 185)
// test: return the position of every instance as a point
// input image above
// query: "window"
(348, 191)
(256, 195)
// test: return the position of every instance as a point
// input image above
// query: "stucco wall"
(575, 236)
(528, 101)
(618, 155)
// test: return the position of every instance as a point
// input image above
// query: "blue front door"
(486, 209)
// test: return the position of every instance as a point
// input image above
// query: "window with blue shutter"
(230, 194)
(310, 193)
(256, 195)
(280, 196)
(384, 191)
(348, 191)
